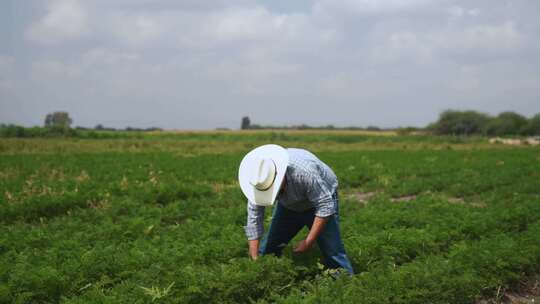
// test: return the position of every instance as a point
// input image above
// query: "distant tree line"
(247, 125)
(452, 122)
(100, 127)
(58, 124)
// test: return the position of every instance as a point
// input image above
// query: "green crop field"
(141, 218)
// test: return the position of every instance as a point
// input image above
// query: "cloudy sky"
(192, 64)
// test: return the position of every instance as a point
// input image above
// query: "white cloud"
(65, 19)
(252, 76)
(404, 46)
(490, 37)
(460, 12)
(53, 70)
(237, 27)
(137, 29)
(401, 46)
(365, 6)
(99, 69)
(5, 61)
(337, 84)
(245, 27)
(103, 56)
(467, 79)
(6, 72)
(249, 24)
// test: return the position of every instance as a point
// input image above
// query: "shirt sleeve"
(321, 195)
(255, 221)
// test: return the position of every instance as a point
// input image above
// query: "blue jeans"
(286, 224)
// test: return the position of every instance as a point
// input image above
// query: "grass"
(158, 218)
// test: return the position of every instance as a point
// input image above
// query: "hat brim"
(280, 157)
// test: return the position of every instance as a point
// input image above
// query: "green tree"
(506, 123)
(460, 123)
(58, 120)
(12, 131)
(246, 123)
(533, 126)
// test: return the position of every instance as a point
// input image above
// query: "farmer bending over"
(306, 192)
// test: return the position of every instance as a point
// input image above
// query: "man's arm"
(254, 227)
(314, 232)
(254, 248)
(319, 193)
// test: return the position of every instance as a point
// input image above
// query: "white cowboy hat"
(261, 173)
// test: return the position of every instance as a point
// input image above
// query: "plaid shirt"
(309, 184)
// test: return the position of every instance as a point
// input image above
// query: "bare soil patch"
(364, 197)
(405, 198)
(527, 292)
(456, 200)
(361, 197)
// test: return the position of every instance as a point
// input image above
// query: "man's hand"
(254, 249)
(314, 232)
(302, 246)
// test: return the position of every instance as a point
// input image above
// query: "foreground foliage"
(440, 226)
